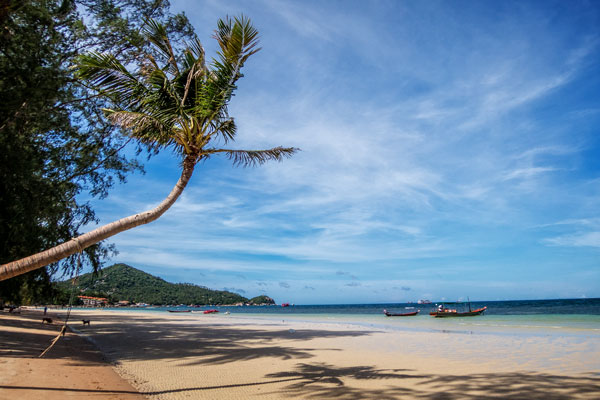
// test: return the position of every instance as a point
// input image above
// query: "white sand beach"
(195, 356)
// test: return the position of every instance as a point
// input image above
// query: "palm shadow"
(216, 343)
(25, 336)
(320, 380)
(201, 344)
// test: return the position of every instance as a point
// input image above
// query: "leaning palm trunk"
(181, 105)
(79, 243)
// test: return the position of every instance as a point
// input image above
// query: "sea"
(561, 317)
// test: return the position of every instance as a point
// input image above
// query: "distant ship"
(424, 302)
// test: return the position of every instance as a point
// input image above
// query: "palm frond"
(226, 128)
(156, 34)
(194, 54)
(133, 120)
(180, 102)
(238, 40)
(106, 73)
(145, 127)
(250, 158)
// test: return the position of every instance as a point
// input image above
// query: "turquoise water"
(575, 317)
(539, 325)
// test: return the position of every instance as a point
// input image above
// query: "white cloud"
(527, 172)
(413, 148)
(587, 239)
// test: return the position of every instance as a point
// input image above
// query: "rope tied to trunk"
(63, 329)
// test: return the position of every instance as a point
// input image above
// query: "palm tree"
(168, 102)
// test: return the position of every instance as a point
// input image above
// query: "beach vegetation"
(57, 150)
(166, 99)
(261, 300)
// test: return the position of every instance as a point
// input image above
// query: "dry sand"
(72, 369)
(192, 356)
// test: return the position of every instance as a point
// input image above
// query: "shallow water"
(577, 317)
(547, 325)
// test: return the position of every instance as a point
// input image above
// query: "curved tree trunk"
(79, 243)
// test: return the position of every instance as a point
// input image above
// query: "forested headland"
(121, 282)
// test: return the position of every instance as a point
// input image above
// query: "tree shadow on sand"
(197, 343)
(206, 342)
(30, 338)
(202, 344)
(324, 381)
(319, 381)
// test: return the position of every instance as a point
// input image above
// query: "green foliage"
(175, 100)
(259, 300)
(60, 296)
(122, 282)
(55, 144)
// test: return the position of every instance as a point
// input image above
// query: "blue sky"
(449, 149)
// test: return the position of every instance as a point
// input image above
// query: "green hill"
(261, 301)
(122, 282)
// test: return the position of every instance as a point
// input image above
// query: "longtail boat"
(179, 310)
(210, 311)
(408, 314)
(443, 312)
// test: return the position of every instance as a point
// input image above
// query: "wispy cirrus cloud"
(464, 132)
(584, 239)
(582, 232)
(234, 290)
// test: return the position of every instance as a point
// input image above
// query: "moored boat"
(179, 310)
(210, 311)
(443, 312)
(408, 314)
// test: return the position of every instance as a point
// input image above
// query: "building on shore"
(93, 301)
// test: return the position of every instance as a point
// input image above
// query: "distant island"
(121, 284)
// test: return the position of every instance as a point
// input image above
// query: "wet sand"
(195, 356)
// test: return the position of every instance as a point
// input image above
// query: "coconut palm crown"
(180, 102)
(170, 101)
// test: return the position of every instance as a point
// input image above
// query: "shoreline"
(540, 325)
(179, 356)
